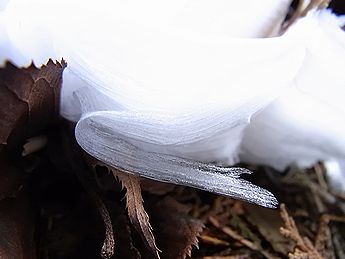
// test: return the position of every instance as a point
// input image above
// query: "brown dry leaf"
(17, 228)
(29, 100)
(125, 247)
(109, 243)
(136, 211)
(268, 223)
(177, 232)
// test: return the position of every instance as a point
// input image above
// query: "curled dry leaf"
(29, 100)
(177, 231)
(136, 211)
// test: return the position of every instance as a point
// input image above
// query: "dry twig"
(233, 234)
(302, 10)
(304, 247)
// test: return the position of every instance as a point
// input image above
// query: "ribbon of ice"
(165, 86)
(307, 124)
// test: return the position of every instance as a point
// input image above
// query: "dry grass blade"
(136, 212)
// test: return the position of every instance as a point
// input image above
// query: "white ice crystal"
(162, 88)
(306, 124)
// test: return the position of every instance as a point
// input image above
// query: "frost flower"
(163, 88)
(306, 123)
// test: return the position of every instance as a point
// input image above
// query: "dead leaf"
(29, 100)
(136, 211)
(125, 247)
(176, 230)
(109, 242)
(17, 228)
(268, 223)
(11, 178)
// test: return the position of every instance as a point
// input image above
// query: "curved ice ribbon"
(120, 142)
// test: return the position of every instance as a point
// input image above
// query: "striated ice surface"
(306, 123)
(142, 154)
(176, 91)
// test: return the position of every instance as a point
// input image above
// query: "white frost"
(307, 123)
(162, 88)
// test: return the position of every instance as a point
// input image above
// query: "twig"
(323, 239)
(303, 247)
(319, 171)
(233, 234)
(338, 243)
(303, 9)
(213, 240)
(323, 234)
